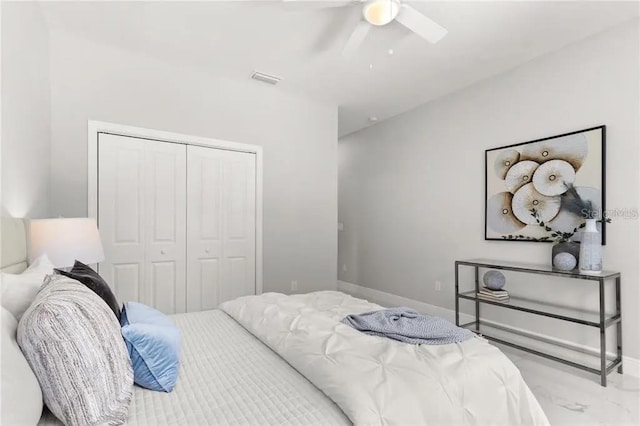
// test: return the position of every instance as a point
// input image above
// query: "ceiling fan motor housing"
(380, 12)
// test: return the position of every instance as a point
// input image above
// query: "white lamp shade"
(65, 240)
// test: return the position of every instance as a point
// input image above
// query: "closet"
(177, 221)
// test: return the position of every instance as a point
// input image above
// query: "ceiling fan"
(379, 13)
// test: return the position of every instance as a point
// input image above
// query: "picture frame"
(535, 175)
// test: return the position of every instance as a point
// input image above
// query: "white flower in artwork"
(519, 175)
(552, 177)
(527, 199)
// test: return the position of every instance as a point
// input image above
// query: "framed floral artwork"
(534, 176)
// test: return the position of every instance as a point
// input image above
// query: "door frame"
(96, 127)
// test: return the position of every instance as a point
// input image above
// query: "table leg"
(477, 272)
(603, 340)
(619, 325)
(457, 301)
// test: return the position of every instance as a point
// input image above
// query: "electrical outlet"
(438, 286)
(294, 285)
(340, 226)
(344, 267)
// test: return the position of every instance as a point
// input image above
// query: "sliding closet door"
(141, 216)
(221, 226)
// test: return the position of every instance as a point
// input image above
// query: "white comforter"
(375, 380)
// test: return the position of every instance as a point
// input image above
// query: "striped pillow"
(73, 343)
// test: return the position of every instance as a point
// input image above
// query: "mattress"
(229, 377)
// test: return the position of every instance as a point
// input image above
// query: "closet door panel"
(220, 226)
(141, 217)
(121, 214)
(164, 290)
(204, 226)
(236, 278)
(165, 199)
(210, 276)
(239, 230)
(127, 281)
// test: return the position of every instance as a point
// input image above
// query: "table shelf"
(564, 313)
(503, 338)
(539, 269)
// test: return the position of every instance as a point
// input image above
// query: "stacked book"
(494, 295)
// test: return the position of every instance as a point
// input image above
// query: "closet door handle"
(161, 251)
(207, 251)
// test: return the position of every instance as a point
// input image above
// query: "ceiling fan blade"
(314, 4)
(357, 37)
(420, 24)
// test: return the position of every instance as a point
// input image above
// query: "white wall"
(25, 112)
(411, 189)
(100, 82)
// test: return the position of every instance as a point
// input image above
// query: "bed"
(277, 359)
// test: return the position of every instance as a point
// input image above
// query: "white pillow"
(20, 392)
(19, 290)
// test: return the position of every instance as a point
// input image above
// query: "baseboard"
(388, 299)
(631, 365)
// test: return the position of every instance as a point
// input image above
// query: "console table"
(600, 319)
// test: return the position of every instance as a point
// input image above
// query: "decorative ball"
(495, 280)
(564, 261)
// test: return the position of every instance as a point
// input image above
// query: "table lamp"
(65, 240)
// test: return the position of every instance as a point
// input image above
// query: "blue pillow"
(153, 342)
(134, 313)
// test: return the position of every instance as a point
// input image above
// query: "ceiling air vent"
(265, 78)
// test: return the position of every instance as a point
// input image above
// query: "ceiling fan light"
(381, 12)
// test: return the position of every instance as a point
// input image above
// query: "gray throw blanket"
(407, 325)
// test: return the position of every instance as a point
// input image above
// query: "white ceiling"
(233, 38)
